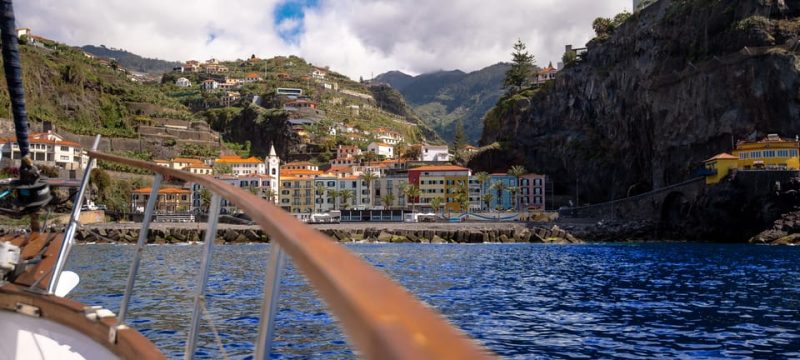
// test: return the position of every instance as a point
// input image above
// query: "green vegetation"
(604, 27)
(115, 193)
(518, 76)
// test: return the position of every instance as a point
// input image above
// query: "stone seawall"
(387, 235)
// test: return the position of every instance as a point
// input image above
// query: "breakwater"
(344, 234)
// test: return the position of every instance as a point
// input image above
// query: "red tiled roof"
(723, 156)
(440, 168)
(237, 160)
(162, 191)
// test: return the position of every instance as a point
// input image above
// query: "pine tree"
(521, 69)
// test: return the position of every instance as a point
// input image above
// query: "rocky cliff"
(672, 86)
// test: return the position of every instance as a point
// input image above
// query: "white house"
(381, 149)
(240, 166)
(183, 82)
(209, 85)
(388, 137)
(23, 32)
(46, 148)
(318, 74)
(438, 153)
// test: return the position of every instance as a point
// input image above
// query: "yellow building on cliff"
(719, 166)
(770, 153)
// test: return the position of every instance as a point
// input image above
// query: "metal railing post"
(140, 244)
(69, 233)
(202, 277)
(269, 306)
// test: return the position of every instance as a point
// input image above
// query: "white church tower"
(273, 163)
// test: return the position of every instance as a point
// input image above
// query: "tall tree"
(334, 194)
(482, 178)
(459, 138)
(319, 190)
(517, 171)
(522, 63)
(346, 195)
(499, 186)
(487, 199)
(369, 177)
(436, 204)
(388, 200)
(412, 192)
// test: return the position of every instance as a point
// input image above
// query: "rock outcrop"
(672, 86)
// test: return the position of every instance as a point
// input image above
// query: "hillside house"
(24, 32)
(230, 98)
(300, 104)
(183, 82)
(381, 148)
(545, 75)
(251, 78)
(318, 74)
(48, 149)
(435, 153)
(209, 85)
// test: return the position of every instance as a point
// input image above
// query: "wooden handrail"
(381, 318)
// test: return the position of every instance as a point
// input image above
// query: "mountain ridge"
(443, 98)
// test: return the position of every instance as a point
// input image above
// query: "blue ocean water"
(526, 301)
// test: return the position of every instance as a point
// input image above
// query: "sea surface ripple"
(526, 301)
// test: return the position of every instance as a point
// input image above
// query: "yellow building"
(442, 181)
(772, 152)
(719, 166)
(170, 200)
(297, 194)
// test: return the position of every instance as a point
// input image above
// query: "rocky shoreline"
(344, 233)
(785, 231)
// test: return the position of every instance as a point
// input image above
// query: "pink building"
(532, 191)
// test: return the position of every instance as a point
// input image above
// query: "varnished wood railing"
(381, 318)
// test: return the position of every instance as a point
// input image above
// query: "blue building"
(501, 198)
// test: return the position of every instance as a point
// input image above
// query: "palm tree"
(436, 203)
(462, 195)
(517, 171)
(369, 177)
(271, 194)
(487, 198)
(412, 192)
(334, 194)
(499, 186)
(346, 195)
(513, 191)
(388, 200)
(482, 178)
(319, 190)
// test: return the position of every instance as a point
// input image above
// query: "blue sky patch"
(289, 16)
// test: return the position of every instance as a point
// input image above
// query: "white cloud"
(355, 37)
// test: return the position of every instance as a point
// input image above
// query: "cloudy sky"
(355, 37)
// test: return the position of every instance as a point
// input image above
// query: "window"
(64, 148)
(793, 152)
(537, 182)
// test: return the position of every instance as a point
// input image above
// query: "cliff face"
(674, 85)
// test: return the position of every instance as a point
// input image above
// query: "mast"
(13, 71)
